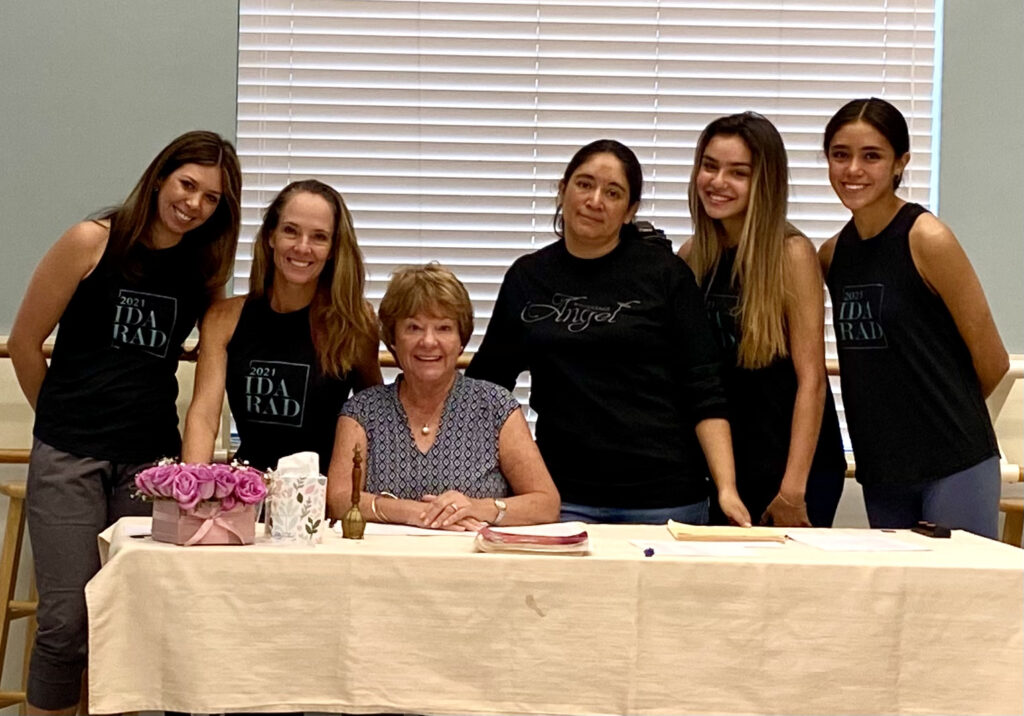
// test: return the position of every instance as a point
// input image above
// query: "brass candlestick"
(353, 524)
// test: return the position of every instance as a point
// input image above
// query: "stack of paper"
(705, 533)
(556, 538)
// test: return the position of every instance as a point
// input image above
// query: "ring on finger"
(453, 507)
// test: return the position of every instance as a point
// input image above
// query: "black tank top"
(761, 400)
(110, 390)
(913, 402)
(281, 401)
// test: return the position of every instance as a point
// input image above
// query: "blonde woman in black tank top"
(290, 352)
(763, 291)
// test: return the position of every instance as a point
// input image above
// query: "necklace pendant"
(425, 429)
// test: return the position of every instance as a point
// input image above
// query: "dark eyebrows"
(866, 148)
(192, 179)
(591, 177)
(712, 160)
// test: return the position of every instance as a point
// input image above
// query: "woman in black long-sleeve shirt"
(624, 368)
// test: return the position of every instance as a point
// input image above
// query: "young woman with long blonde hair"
(763, 291)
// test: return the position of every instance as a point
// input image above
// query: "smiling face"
(427, 347)
(862, 166)
(186, 198)
(595, 204)
(723, 179)
(301, 242)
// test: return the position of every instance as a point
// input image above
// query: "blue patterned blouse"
(464, 455)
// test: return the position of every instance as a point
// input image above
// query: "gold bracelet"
(379, 514)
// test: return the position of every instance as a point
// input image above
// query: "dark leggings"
(71, 499)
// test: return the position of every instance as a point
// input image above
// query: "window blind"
(446, 125)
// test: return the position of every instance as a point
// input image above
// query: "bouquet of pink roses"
(190, 484)
(202, 504)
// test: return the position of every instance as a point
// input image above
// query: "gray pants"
(70, 499)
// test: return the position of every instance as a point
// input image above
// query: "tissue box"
(205, 524)
(297, 499)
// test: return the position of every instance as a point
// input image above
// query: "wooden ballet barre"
(191, 353)
(388, 361)
(10, 456)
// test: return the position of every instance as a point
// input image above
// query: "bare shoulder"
(78, 251)
(227, 308)
(221, 319)
(87, 237)
(684, 250)
(931, 238)
(825, 252)
(799, 250)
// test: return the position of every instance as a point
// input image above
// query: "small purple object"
(649, 552)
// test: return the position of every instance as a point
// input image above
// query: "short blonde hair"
(430, 289)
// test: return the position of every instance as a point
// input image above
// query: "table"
(425, 625)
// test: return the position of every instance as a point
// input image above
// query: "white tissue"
(297, 499)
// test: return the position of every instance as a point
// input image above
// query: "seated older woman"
(442, 450)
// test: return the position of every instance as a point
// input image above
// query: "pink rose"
(250, 488)
(206, 479)
(157, 481)
(162, 479)
(186, 489)
(225, 481)
(228, 503)
(143, 483)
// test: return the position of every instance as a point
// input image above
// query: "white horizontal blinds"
(447, 124)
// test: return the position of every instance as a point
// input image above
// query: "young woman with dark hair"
(918, 349)
(126, 288)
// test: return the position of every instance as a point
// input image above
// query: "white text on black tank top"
(275, 392)
(144, 321)
(857, 321)
(568, 310)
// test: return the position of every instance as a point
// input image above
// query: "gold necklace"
(425, 429)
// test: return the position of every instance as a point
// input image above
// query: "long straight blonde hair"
(759, 270)
(340, 321)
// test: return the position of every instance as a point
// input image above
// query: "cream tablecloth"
(425, 625)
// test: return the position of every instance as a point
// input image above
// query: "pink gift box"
(205, 524)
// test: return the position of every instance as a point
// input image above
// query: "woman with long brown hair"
(291, 351)
(763, 291)
(126, 287)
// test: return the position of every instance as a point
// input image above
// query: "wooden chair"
(9, 561)
(1013, 526)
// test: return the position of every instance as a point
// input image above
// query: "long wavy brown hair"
(341, 323)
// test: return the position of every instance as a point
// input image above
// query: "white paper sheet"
(703, 549)
(833, 540)
(549, 529)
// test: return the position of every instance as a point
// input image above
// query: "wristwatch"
(500, 506)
